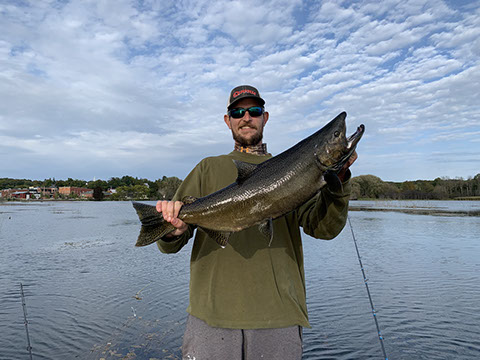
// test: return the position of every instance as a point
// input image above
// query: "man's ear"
(226, 118)
(265, 118)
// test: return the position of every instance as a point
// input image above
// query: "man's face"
(248, 130)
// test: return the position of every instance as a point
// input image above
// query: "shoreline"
(374, 205)
(416, 210)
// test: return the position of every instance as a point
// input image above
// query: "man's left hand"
(344, 170)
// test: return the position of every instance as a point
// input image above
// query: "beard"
(254, 140)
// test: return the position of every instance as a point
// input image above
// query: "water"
(91, 294)
(425, 207)
(424, 276)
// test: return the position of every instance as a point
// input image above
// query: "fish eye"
(336, 133)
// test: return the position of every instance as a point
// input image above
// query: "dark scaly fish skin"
(262, 192)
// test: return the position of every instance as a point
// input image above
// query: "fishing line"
(374, 313)
(24, 305)
(2, 219)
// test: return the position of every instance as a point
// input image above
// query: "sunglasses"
(238, 113)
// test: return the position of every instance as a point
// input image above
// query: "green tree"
(370, 186)
(97, 183)
(48, 183)
(131, 192)
(152, 190)
(168, 186)
(98, 193)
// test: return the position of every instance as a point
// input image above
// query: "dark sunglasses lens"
(237, 113)
(255, 111)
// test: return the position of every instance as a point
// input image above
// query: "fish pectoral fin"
(189, 199)
(266, 229)
(333, 182)
(244, 170)
(220, 237)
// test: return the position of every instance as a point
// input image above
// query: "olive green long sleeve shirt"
(248, 284)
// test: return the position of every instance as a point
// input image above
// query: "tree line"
(126, 187)
(372, 187)
(363, 187)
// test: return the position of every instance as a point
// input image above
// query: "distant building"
(20, 194)
(48, 192)
(45, 192)
(81, 192)
(25, 194)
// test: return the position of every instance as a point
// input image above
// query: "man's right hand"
(170, 210)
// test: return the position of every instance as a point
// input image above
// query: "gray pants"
(203, 342)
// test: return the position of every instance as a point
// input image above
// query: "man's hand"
(343, 171)
(170, 210)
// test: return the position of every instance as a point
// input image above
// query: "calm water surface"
(91, 294)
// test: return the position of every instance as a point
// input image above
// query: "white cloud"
(129, 83)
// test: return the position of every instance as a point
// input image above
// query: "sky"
(94, 89)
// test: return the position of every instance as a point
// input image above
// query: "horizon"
(161, 176)
(100, 89)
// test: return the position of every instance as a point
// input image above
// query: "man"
(248, 301)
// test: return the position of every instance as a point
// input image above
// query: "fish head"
(333, 147)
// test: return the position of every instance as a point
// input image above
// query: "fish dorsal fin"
(266, 228)
(244, 170)
(220, 237)
(189, 199)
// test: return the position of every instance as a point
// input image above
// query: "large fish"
(262, 192)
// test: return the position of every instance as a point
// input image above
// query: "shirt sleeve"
(325, 215)
(174, 245)
(191, 186)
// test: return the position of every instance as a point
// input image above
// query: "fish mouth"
(353, 140)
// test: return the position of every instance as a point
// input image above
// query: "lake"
(90, 294)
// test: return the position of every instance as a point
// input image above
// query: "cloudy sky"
(103, 88)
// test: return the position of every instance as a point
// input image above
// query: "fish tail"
(154, 227)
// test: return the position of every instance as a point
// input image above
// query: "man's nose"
(246, 116)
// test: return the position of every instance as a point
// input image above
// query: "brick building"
(81, 192)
